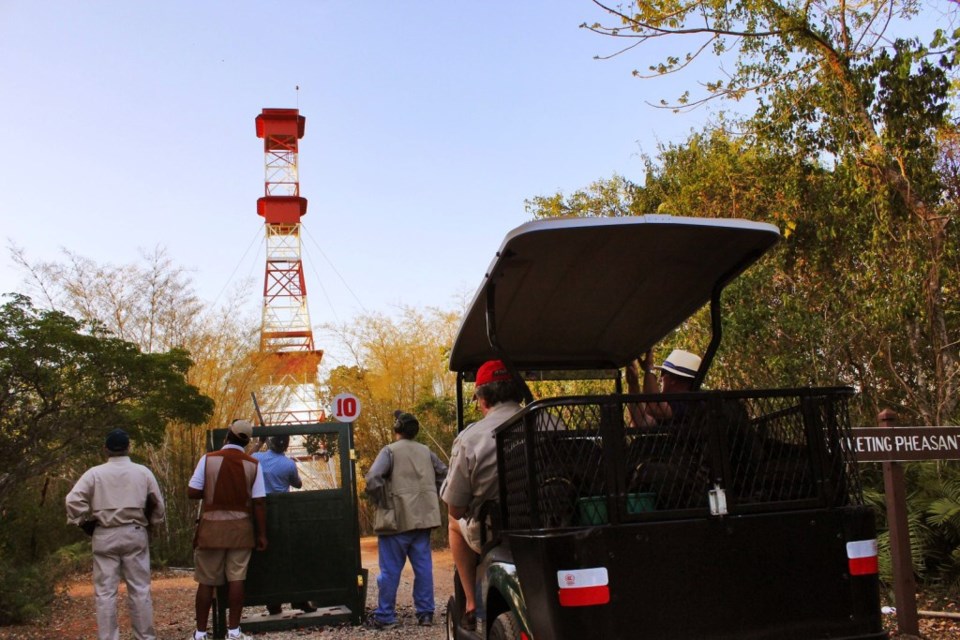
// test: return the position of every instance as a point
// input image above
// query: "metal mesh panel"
(587, 461)
(670, 460)
(559, 447)
(319, 472)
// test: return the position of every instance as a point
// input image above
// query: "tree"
(398, 363)
(613, 198)
(153, 304)
(63, 383)
(771, 324)
(834, 94)
(852, 152)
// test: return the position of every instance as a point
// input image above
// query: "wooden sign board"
(905, 444)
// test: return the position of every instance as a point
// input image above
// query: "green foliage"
(937, 499)
(613, 198)
(798, 45)
(933, 520)
(173, 462)
(437, 415)
(399, 364)
(33, 524)
(916, 527)
(861, 124)
(64, 384)
(852, 152)
(773, 329)
(152, 304)
(27, 588)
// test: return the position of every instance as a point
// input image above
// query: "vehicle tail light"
(583, 587)
(862, 557)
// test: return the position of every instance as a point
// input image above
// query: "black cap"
(117, 440)
(405, 424)
(278, 443)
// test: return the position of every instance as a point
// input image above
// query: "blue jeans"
(394, 551)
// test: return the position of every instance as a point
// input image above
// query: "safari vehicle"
(742, 517)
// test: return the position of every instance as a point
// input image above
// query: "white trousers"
(122, 552)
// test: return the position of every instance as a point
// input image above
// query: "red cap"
(492, 371)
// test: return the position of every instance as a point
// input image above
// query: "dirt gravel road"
(72, 616)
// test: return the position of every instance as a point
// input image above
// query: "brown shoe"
(468, 620)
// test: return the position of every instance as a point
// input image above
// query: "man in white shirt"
(233, 522)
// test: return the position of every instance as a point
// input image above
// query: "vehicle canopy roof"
(594, 293)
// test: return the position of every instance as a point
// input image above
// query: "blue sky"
(130, 125)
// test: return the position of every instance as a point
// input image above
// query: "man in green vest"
(403, 482)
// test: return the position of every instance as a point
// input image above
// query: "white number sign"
(346, 407)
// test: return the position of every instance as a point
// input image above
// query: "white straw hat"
(681, 363)
(242, 428)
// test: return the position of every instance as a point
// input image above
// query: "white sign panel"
(879, 444)
(346, 407)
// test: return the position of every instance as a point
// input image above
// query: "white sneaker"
(240, 636)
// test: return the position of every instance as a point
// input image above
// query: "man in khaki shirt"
(472, 478)
(115, 503)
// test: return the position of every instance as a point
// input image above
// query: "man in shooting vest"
(233, 521)
(403, 481)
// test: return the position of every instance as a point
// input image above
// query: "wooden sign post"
(892, 445)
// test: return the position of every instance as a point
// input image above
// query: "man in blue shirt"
(279, 474)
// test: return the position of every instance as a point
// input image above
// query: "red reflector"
(584, 596)
(862, 555)
(524, 636)
(863, 566)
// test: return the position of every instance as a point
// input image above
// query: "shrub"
(26, 589)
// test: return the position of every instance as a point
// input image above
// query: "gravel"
(72, 615)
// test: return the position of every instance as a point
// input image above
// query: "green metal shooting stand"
(313, 551)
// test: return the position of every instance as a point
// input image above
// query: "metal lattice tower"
(291, 392)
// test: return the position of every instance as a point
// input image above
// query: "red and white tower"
(291, 392)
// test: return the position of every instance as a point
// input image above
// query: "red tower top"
(280, 130)
(279, 123)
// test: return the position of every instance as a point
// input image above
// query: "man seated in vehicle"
(676, 376)
(670, 466)
(472, 478)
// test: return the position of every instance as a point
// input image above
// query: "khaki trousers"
(122, 552)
